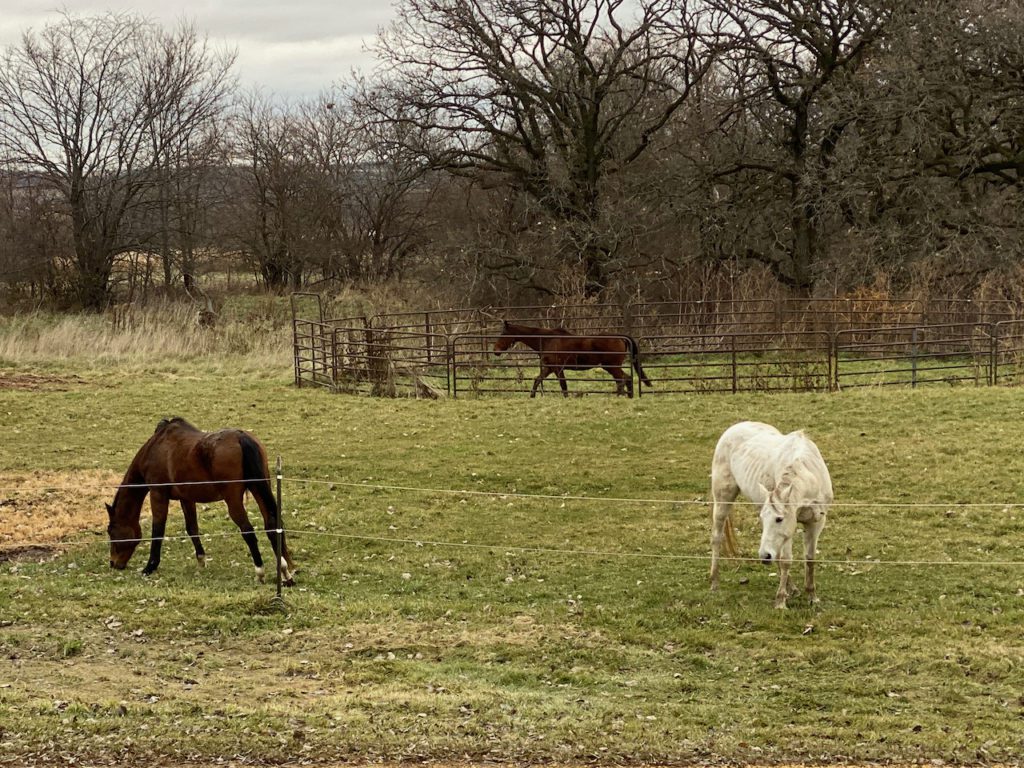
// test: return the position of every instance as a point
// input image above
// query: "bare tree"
(90, 105)
(935, 174)
(785, 61)
(548, 97)
(265, 214)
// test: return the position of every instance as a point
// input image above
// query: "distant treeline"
(528, 149)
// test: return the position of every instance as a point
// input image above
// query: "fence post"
(448, 366)
(430, 338)
(453, 368)
(833, 361)
(735, 383)
(993, 365)
(279, 534)
(334, 359)
(295, 349)
(913, 357)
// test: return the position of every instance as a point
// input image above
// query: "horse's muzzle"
(766, 559)
(117, 566)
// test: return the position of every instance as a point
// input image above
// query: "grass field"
(604, 647)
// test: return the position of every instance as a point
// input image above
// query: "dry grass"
(161, 333)
(45, 507)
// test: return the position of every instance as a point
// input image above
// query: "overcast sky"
(291, 47)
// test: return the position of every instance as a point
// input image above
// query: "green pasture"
(429, 625)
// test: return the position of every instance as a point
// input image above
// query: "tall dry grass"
(160, 333)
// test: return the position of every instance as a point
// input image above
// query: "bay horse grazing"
(181, 463)
(787, 476)
(561, 350)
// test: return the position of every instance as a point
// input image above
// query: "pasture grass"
(451, 626)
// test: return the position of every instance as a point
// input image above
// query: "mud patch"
(43, 509)
(32, 381)
(28, 554)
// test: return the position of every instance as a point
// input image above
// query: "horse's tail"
(731, 547)
(256, 474)
(634, 356)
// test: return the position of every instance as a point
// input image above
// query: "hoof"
(149, 570)
(201, 559)
(289, 582)
(260, 575)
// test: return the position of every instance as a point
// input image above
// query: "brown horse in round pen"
(184, 464)
(561, 350)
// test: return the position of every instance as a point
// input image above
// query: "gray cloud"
(294, 48)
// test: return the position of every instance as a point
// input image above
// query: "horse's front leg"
(188, 508)
(785, 562)
(158, 502)
(236, 510)
(811, 532)
(544, 372)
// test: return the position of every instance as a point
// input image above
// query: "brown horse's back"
(178, 453)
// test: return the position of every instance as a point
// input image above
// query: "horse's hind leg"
(236, 510)
(271, 526)
(623, 382)
(158, 503)
(724, 493)
(188, 508)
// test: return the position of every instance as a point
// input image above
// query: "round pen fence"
(684, 347)
(917, 355)
(786, 361)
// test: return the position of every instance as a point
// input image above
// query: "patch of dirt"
(42, 509)
(27, 554)
(32, 381)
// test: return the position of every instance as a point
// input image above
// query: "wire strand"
(520, 548)
(637, 500)
(647, 555)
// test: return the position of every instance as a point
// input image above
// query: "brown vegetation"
(43, 508)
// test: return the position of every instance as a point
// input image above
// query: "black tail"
(634, 354)
(256, 474)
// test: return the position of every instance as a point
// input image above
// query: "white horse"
(787, 476)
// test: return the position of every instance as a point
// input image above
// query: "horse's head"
(506, 339)
(124, 537)
(778, 522)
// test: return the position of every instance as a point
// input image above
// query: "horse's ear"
(110, 509)
(763, 491)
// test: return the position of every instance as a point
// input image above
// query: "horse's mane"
(800, 469)
(133, 474)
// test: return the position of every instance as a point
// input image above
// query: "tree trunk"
(93, 283)
(595, 271)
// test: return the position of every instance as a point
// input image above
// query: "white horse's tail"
(730, 547)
